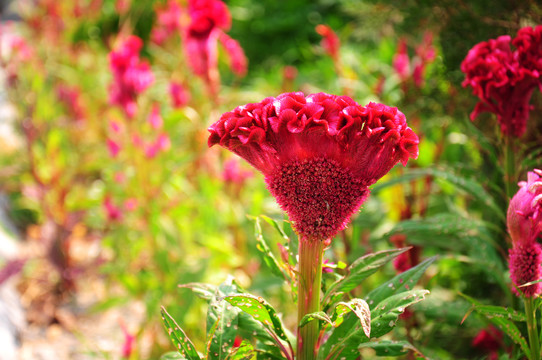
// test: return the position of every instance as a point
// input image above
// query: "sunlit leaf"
(391, 348)
(183, 344)
(267, 255)
(360, 308)
(260, 310)
(320, 315)
(361, 269)
(401, 282)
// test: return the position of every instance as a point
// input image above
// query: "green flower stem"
(308, 301)
(510, 178)
(532, 328)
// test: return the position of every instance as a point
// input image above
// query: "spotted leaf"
(260, 310)
(359, 270)
(183, 344)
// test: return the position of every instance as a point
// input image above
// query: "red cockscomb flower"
(524, 220)
(504, 79)
(319, 153)
(131, 76)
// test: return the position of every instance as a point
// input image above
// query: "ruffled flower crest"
(319, 153)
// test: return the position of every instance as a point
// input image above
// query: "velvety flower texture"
(524, 263)
(504, 79)
(131, 76)
(319, 153)
(524, 220)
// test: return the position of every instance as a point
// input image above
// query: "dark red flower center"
(318, 195)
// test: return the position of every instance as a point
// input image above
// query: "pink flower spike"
(131, 76)
(113, 147)
(401, 61)
(168, 22)
(524, 263)
(319, 153)
(330, 41)
(128, 344)
(238, 60)
(179, 96)
(524, 216)
(154, 118)
(112, 211)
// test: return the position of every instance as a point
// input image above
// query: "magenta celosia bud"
(524, 217)
(319, 153)
(524, 263)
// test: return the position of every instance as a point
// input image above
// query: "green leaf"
(390, 348)
(245, 351)
(345, 340)
(222, 332)
(260, 310)
(179, 338)
(359, 270)
(173, 355)
(386, 313)
(265, 250)
(498, 311)
(513, 332)
(204, 291)
(360, 308)
(400, 283)
(501, 322)
(320, 315)
(462, 183)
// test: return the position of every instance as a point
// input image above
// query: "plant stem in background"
(530, 313)
(310, 276)
(510, 170)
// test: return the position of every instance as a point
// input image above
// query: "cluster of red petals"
(524, 220)
(414, 68)
(330, 41)
(319, 153)
(504, 79)
(168, 22)
(131, 76)
(70, 96)
(490, 341)
(209, 20)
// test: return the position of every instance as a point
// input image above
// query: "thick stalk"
(308, 301)
(532, 328)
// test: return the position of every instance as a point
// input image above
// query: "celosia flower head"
(504, 79)
(524, 263)
(319, 153)
(524, 217)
